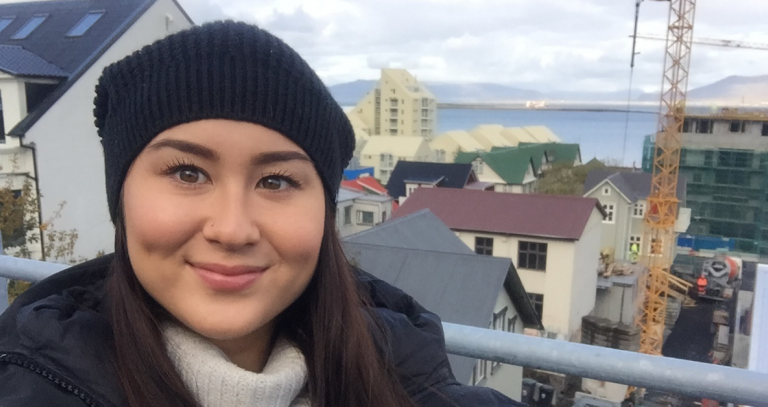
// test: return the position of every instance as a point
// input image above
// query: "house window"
(5, 22)
(538, 303)
(484, 246)
(499, 318)
(409, 189)
(477, 166)
(85, 23)
(764, 131)
(478, 374)
(638, 211)
(424, 123)
(383, 216)
(606, 191)
(348, 215)
(635, 239)
(387, 160)
(705, 126)
(365, 218)
(30, 26)
(532, 255)
(738, 126)
(609, 209)
(511, 324)
(425, 102)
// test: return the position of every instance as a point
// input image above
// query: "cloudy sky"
(575, 45)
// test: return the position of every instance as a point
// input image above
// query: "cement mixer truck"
(717, 277)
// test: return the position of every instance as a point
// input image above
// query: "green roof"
(559, 152)
(512, 163)
(509, 163)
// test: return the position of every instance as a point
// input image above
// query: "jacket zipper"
(39, 369)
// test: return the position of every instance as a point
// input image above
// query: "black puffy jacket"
(55, 346)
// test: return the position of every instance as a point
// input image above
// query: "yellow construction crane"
(710, 41)
(662, 201)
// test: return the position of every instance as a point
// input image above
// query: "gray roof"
(56, 52)
(460, 288)
(17, 61)
(374, 198)
(634, 185)
(347, 195)
(421, 230)
(421, 256)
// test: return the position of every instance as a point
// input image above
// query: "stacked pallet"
(608, 334)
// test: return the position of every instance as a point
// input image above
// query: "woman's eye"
(274, 183)
(191, 176)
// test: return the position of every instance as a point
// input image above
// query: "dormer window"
(84, 24)
(30, 26)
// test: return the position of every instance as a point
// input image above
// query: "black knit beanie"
(220, 70)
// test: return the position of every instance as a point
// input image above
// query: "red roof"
(550, 216)
(365, 184)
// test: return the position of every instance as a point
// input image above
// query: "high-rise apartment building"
(398, 106)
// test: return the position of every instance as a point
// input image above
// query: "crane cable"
(631, 78)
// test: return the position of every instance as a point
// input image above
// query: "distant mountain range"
(733, 90)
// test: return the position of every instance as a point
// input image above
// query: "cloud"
(573, 45)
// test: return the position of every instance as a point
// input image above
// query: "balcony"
(692, 379)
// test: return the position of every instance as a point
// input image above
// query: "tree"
(21, 229)
(566, 179)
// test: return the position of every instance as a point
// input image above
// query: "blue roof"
(57, 54)
(454, 175)
(17, 61)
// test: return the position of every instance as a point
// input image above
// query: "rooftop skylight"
(5, 22)
(85, 24)
(30, 26)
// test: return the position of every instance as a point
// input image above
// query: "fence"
(677, 376)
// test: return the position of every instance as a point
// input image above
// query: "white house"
(554, 242)
(383, 153)
(358, 211)
(421, 256)
(623, 196)
(51, 56)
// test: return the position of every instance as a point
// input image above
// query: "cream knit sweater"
(217, 382)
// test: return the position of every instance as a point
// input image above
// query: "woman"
(228, 286)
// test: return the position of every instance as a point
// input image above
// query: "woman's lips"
(227, 278)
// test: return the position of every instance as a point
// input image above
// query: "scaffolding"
(726, 192)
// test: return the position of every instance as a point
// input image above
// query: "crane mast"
(660, 217)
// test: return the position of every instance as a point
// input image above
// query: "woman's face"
(223, 223)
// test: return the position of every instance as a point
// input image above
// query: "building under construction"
(724, 158)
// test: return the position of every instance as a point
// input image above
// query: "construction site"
(691, 299)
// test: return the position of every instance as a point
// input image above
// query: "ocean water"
(600, 134)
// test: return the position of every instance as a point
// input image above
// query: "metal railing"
(681, 377)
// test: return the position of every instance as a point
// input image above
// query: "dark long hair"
(329, 322)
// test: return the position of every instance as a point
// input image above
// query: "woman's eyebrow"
(273, 157)
(187, 147)
(208, 153)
